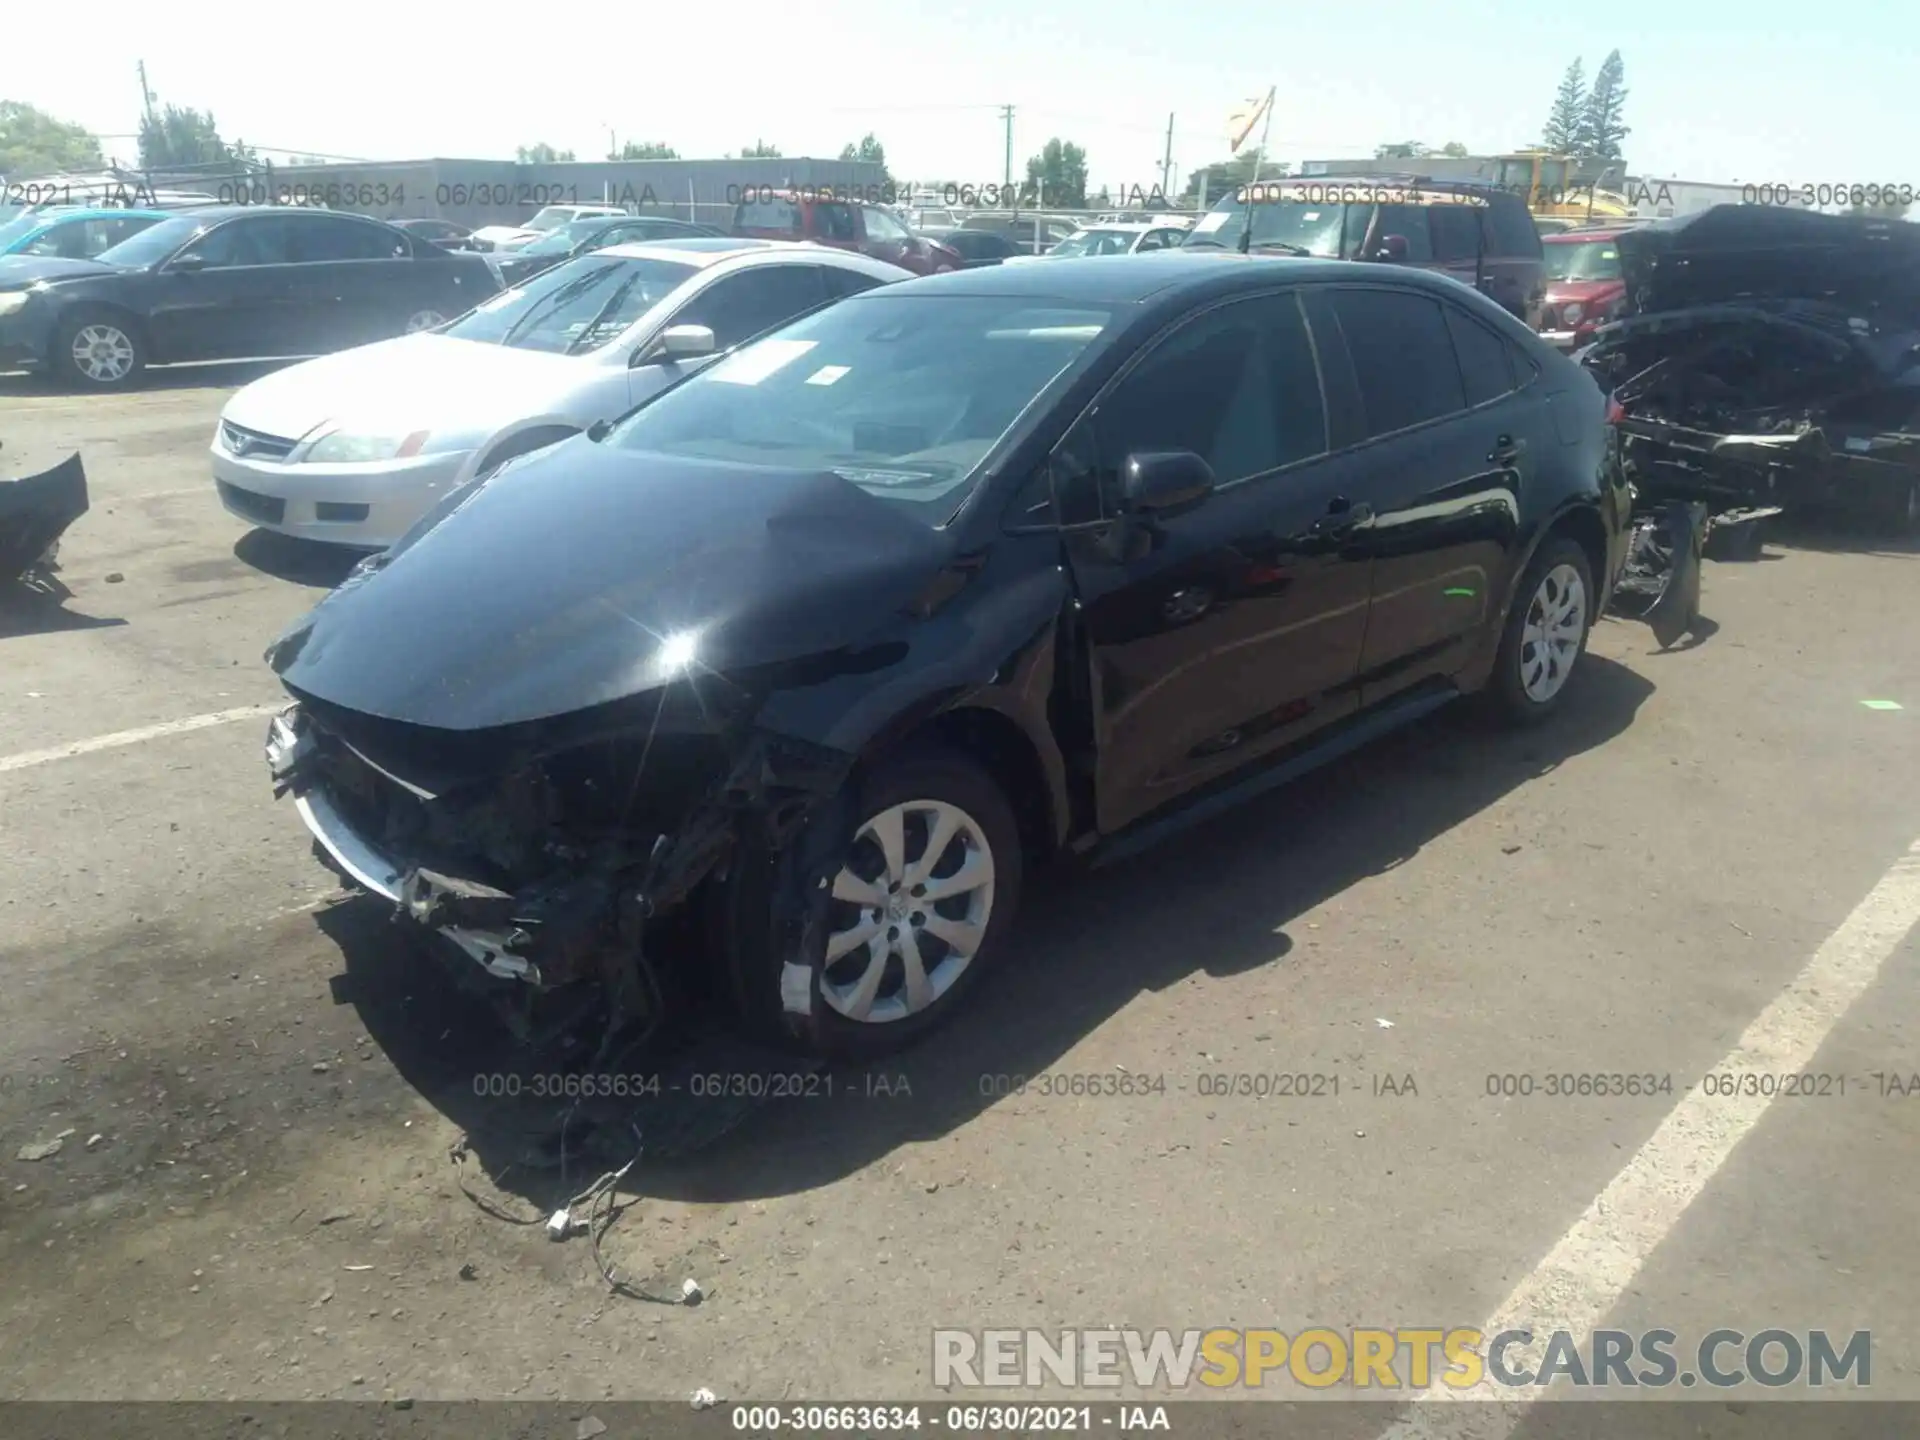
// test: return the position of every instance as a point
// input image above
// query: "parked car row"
(224, 283)
(832, 637)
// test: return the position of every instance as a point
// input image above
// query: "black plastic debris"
(35, 511)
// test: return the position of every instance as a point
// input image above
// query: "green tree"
(1225, 174)
(1601, 126)
(1405, 150)
(869, 151)
(644, 150)
(1885, 210)
(1454, 150)
(185, 136)
(1565, 122)
(760, 150)
(32, 142)
(1058, 174)
(541, 153)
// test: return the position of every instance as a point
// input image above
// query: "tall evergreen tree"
(1601, 126)
(1569, 111)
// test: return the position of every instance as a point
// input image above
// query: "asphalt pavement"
(1696, 871)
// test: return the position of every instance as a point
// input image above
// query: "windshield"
(551, 218)
(1096, 242)
(1282, 222)
(575, 307)
(154, 243)
(1587, 260)
(562, 241)
(902, 396)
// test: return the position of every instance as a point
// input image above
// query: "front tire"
(925, 892)
(99, 350)
(1545, 635)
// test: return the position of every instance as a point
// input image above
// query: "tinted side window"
(1410, 222)
(1486, 361)
(1237, 385)
(846, 282)
(1456, 232)
(833, 220)
(1511, 228)
(741, 306)
(255, 240)
(1402, 357)
(313, 238)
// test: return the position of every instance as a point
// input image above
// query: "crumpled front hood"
(1739, 252)
(413, 382)
(570, 577)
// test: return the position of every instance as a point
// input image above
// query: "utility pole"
(1006, 114)
(146, 104)
(1166, 164)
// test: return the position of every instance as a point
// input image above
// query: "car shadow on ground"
(1088, 944)
(33, 610)
(301, 562)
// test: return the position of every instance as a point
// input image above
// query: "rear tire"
(99, 349)
(1545, 635)
(910, 930)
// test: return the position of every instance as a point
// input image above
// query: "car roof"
(100, 212)
(703, 251)
(228, 212)
(1575, 237)
(1165, 276)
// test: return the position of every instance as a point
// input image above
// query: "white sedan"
(354, 447)
(1129, 237)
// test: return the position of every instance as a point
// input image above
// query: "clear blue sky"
(1756, 92)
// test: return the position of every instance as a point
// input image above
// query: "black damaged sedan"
(834, 643)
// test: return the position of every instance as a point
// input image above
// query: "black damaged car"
(834, 643)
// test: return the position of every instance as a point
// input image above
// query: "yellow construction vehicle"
(1551, 186)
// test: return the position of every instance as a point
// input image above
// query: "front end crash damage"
(1766, 360)
(550, 870)
(35, 511)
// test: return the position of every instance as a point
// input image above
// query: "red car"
(843, 224)
(1584, 286)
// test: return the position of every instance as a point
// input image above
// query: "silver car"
(352, 448)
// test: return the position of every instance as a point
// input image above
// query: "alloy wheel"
(424, 320)
(911, 909)
(103, 353)
(1550, 641)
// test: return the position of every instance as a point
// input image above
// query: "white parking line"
(26, 759)
(1586, 1273)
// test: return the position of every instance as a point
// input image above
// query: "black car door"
(1439, 438)
(229, 294)
(1222, 631)
(364, 272)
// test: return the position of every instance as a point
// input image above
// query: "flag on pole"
(1249, 114)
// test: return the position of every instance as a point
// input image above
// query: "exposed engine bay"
(548, 866)
(1768, 359)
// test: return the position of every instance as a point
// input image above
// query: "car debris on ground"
(35, 511)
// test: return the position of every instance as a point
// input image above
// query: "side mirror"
(1164, 479)
(1392, 247)
(188, 263)
(678, 342)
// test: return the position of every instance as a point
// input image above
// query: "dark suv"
(1480, 235)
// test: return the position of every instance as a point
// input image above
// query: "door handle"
(1506, 450)
(1342, 516)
